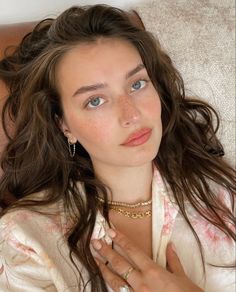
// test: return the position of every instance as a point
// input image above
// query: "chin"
(141, 159)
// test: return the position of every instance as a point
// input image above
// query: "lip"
(138, 138)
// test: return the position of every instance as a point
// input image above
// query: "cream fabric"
(200, 38)
(34, 255)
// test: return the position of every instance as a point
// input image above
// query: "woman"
(104, 137)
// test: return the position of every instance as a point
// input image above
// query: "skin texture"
(101, 120)
(122, 108)
(147, 276)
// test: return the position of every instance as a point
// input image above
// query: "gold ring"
(126, 275)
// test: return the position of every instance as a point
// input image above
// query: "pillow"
(200, 38)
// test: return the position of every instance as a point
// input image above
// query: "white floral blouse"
(34, 256)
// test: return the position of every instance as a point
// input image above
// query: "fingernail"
(96, 244)
(111, 233)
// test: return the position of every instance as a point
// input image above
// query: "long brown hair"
(38, 147)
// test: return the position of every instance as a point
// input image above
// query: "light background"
(198, 35)
(14, 11)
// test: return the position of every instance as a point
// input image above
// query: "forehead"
(99, 47)
(103, 56)
(105, 61)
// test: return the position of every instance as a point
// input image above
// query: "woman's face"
(109, 103)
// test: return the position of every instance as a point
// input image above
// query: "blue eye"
(138, 85)
(95, 102)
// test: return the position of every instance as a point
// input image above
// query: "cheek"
(91, 127)
(92, 130)
(152, 107)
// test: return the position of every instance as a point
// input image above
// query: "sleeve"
(19, 271)
(220, 279)
(22, 267)
(219, 251)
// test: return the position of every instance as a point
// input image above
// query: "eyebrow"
(134, 71)
(94, 87)
(89, 88)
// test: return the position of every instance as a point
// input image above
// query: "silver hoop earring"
(71, 148)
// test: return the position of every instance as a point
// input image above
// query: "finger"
(174, 264)
(112, 279)
(118, 263)
(136, 255)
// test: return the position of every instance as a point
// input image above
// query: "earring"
(71, 148)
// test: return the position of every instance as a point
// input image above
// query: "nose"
(129, 113)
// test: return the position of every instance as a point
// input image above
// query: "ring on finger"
(126, 275)
(124, 289)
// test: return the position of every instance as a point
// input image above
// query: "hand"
(138, 271)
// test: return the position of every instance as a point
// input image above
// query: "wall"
(14, 11)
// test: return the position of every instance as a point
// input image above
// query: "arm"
(33, 254)
(20, 270)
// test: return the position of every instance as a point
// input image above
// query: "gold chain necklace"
(128, 205)
(133, 215)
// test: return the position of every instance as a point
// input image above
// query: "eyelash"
(93, 98)
(140, 80)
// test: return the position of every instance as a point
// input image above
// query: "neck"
(128, 184)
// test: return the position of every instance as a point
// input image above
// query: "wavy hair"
(36, 157)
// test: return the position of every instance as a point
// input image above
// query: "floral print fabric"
(34, 256)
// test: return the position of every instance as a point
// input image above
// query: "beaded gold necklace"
(128, 205)
(116, 206)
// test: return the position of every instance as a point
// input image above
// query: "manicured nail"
(96, 244)
(111, 233)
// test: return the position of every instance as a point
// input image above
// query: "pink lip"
(138, 138)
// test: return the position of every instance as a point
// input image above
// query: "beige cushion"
(200, 38)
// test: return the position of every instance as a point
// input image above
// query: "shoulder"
(33, 241)
(29, 234)
(218, 246)
(28, 226)
(222, 194)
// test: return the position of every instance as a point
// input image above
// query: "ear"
(66, 131)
